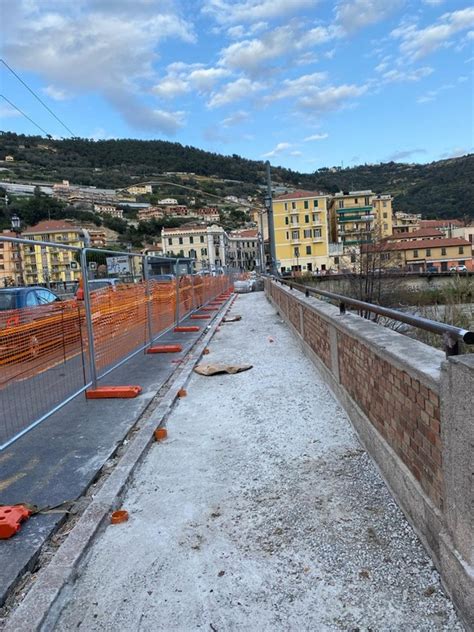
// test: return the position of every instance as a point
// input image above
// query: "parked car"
(458, 269)
(34, 320)
(432, 269)
(97, 284)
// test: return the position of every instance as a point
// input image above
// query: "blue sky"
(303, 83)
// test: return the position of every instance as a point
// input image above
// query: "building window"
(203, 252)
(461, 250)
(341, 203)
(315, 217)
(307, 233)
(336, 260)
(443, 252)
(308, 250)
(287, 235)
(170, 241)
(384, 204)
(297, 252)
(306, 219)
(295, 234)
(385, 226)
(367, 201)
(191, 240)
(315, 203)
(287, 221)
(180, 240)
(353, 258)
(202, 239)
(415, 254)
(385, 215)
(293, 205)
(295, 219)
(306, 204)
(356, 200)
(428, 252)
(317, 232)
(286, 206)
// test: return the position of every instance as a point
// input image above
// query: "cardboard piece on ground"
(231, 319)
(218, 369)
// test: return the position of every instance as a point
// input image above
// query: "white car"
(458, 269)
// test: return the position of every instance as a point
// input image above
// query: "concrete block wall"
(414, 413)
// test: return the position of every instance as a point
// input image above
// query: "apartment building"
(422, 252)
(243, 249)
(208, 245)
(108, 209)
(302, 232)
(359, 217)
(208, 214)
(152, 212)
(11, 271)
(43, 265)
(405, 222)
(140, 189)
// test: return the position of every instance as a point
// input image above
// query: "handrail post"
(89, 324)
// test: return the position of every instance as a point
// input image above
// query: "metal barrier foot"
(165, 349)
(187, 329)
(109, 392)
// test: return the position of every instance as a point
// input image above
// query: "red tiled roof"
(427, 243)
(7, 233)
(50, 225)
(296, 195)
(422, 232)
(439, 223)
(250, 233)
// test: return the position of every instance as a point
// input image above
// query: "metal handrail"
(451, 335)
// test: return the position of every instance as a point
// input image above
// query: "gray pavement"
(60, 458)
(260, 512)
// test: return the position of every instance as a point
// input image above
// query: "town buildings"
(208, 245)
(359, 217)
(302, 231)
(108, 209)
(10, 262)
(244, 249)
(140, 189)
(46, 264)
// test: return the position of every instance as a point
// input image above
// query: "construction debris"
(219, 369)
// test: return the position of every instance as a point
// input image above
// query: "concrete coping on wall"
(417, 358)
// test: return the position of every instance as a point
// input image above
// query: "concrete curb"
(41, 606)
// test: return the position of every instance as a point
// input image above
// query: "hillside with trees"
(443, 189)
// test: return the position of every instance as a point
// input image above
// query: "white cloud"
(417, 43)
(316, 137)
(331, 97)
(205, 79)
(56, 93)
(97, 46)
(253, 10)
(433, 3)
(296, 153)
(235, 118)
(171, 87)
(403, 154)
(394, 75)
(281, 147)
(353, 15)
(234, 91)
(456, 152)
(7, 111)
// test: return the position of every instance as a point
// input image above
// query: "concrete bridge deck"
(261, 511)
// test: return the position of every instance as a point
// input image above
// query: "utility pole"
(271, 227)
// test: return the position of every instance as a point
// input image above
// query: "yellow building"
(405, 222)
(301, 232)
(359, 217)
(140, 189)
(421, 254)
(10, 261)
(47, 264)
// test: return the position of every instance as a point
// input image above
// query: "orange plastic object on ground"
(182, 392)
(165, 349)
(209, 309)
(11, 517)
(185, 329)
(119, 516)
(109, 392)
(200, 316)
(160, 434)
(205, 352)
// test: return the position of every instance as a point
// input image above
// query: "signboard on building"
(118, 265)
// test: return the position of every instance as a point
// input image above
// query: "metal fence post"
(177, 291)
(90, 330)
(149, 313)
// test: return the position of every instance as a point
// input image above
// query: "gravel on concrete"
(260, 512)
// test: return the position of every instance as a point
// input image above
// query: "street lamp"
(15, 223)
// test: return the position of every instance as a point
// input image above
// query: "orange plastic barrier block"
(109, 392)
(119, 516)
(11, 517)
(160, 434)
(209, 309)
(186, 329)
(165, 349)
(200, 316)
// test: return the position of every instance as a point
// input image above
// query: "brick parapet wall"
(413, 411)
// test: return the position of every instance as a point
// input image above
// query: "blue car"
(20, 297)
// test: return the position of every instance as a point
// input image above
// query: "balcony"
(356, 209)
